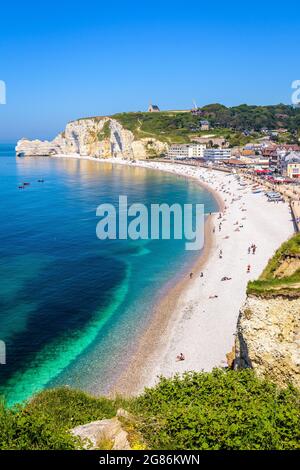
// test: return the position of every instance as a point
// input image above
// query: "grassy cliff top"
(180, 126)
(177, 127)
(165, 126)
(281, 276)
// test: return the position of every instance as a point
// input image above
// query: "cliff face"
(268, 330)
(268, 338)
(95, 137)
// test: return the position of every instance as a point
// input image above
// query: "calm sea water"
(72, 306)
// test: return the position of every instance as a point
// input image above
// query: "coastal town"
(273, 167)
(233, 140)
(265, 155)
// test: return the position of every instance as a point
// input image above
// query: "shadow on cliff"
(242, 359)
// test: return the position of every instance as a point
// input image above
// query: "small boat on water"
(26, 183)
(41, 181)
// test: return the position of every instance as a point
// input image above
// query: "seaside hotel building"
(181, 151)
(217, 154)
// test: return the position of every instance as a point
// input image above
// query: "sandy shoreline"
(151, 345)
(198, 316)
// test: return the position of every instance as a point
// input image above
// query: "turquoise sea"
(72, 306)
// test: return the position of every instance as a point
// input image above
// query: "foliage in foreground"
(217, 410)
(44, 422)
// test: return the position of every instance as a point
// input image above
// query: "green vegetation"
(44, 422)
(217, 410)
(182, 126)
(253, 117)
(230, 123)
(71, 407)
(238, 139)
(105, 133)
(170, 128)
(176, 127)
(275, 279)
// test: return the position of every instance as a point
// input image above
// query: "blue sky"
(63, 60)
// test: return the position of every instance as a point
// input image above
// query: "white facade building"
(290, 165)
(217, 154)
(197, 150)
(193, 150)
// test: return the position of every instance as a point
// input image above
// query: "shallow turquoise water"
(72, 306)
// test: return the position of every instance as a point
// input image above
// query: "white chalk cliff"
(268, 338)
(94, 137)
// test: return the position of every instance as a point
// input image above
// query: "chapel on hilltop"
(153, 108)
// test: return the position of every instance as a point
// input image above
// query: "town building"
(247, 152)
(217, 154)
(204, 125)
(196, 111)
(275, 160)
(197, 150)
(178, 151)
(153, 108)
(265, 130)
(267, 151)
(293, 170)
(193, 150)
(235, 162)
(289, 147)
(291, 165)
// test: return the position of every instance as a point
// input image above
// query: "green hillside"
(176, 127)
(253, 117)
(228, 122)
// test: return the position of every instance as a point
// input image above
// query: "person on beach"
(248, 268)
(191, 275)
(201, 274)
(180, 357)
